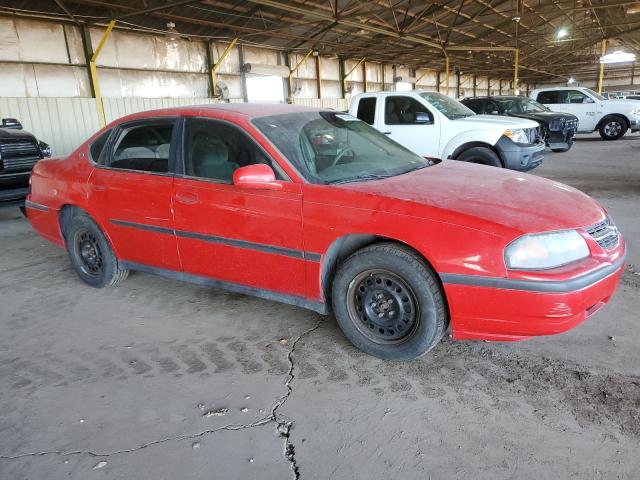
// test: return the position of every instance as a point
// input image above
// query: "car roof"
(249, 110)
(503, 97)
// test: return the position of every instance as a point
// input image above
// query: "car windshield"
(594, 94)
(449, 107)
(334, 147)
(520, 105)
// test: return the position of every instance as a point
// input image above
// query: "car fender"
(477, 136)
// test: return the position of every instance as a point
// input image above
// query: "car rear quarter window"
(367, 110)
(96, 148)
(143, 147)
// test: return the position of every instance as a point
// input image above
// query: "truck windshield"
(449, 107)
(594, 94)
(520, 105)
(334, 147)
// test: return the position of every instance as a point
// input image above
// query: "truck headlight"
(545, 250)
(45, 149)
(517, 135)
(636, 112)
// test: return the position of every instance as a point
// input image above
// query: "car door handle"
(387, 133)
(187, 198)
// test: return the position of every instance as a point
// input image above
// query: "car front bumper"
(634, 124)
(520, 157)
(561, 139)
(512, 314)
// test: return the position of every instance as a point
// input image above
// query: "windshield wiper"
(360, 178)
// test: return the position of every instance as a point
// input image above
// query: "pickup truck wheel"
(91, 255)
(612, 128)
(389, 303)
(481, 155)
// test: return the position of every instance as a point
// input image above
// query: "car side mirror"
(424, 118)
(588, 100)
(11, 123)
(258, 176)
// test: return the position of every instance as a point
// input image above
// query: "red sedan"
(318, 209)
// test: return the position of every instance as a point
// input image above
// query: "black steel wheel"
(389, 302)
(90, 253)
(382, 306)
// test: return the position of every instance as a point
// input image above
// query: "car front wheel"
(480, 155)
(612, 128)
(91, 255)
(389, 303)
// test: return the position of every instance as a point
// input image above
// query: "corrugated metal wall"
(64, 123)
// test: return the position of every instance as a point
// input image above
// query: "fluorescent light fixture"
(571, 80)
(618, 57)
(563, 32)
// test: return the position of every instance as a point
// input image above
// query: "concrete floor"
(163, 380)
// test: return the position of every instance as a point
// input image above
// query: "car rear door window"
(215, 149)
(367, 110)
(144, 147)
(551, 96)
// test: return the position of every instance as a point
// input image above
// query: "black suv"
(19, 151)
(558, 129)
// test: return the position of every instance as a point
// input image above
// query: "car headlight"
(517, 135)
(545, 250)
(45, 149)
(636, 112)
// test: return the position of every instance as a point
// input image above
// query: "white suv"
(612, 118)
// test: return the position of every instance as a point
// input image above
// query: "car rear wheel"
(480, 155)
(91, 255)
(612, 128)
(389, 303)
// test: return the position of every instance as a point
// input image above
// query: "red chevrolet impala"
(318, 209)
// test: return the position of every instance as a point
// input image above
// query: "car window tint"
(97, 146)
(549, 97)
(144, 148)
(475, 105)
(367, 110)
(401, 110)
(575, 96)
(214, 150)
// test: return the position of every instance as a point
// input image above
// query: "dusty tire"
(612, 127)
(90, 253)
(389, 303)
(480, 155)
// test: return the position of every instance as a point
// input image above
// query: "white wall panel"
(31, 41)
(115, 108)
(63, 123)
(18, 80)
(231, 63)
(136, 83)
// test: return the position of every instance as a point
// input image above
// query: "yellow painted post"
(344, 79)
(364, 75)
(293, 70)
(216, 66)
(601, 77)
(446, 73)
(94, 73)
(516, 62)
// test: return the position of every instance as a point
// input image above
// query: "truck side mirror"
(423, 118)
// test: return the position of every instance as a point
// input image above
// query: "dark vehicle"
(559, 129)
(19, 151)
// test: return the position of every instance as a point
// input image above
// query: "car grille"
(605, 233)
(533, 134)
(560, 124)
(18, 156)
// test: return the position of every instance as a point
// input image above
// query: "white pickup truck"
(612, 118)
(436, 126)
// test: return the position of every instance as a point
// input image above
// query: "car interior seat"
(390, 115)
(210, 159)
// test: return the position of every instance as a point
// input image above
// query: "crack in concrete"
(283, 424)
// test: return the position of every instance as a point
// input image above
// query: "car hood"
(545, 117)
(623, 104)
(483, 121)
(488, 198)
(15, 134)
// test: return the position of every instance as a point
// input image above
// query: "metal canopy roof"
(405, 32)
